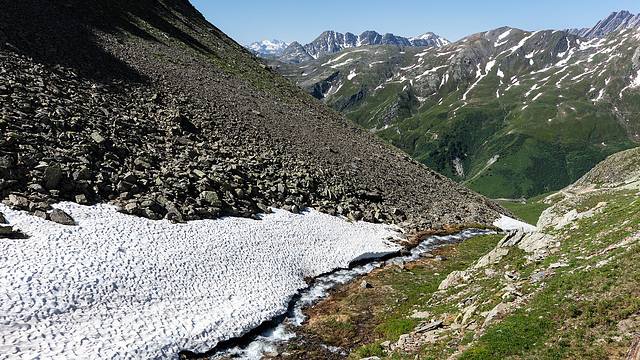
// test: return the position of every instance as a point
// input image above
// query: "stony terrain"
(567, 290)
(149, 106)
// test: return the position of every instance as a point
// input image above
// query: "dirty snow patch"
(507, 224)
(119, 286)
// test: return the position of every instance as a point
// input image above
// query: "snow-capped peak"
(429, 39)
(268, 46)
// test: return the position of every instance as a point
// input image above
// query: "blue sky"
(303, 21)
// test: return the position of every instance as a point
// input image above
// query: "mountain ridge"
(615, 21)
(267, 46)
(331, 41)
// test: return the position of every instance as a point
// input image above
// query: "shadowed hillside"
(148, 105)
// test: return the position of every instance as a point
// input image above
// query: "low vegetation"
(579, 300)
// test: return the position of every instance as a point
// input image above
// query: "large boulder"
(61, 217)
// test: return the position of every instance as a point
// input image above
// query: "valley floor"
(568, 290)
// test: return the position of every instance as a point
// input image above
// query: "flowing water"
(267, 337)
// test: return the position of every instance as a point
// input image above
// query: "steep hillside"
(148, 105)
(509, 113)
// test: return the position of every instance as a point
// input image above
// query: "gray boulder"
(52, 176)
(61, 217)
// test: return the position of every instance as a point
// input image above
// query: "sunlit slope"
(507, 112)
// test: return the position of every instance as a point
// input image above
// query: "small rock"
(52, 176)
(61, 217)
(130, 178)
(427, 255)
(132, 207)
(6, 229)
(97, 138)
(452, 279)
(36, 188)
(365, 284)
(428, 326)
(494, 313)
(84, 173)
(19, 202)
(440, 258)
(81, 199)
(356, 215)
(421, 315)
(512, 275)
(211, 197)
(2, 219)
(492, 257)
(142, 163)
(558, 265)
(385, 344)
(489, 272)
(41, 214)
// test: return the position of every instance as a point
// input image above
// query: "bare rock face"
(613, 22)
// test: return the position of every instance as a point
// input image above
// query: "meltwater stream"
(267, 337)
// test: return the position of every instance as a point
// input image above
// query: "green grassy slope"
(517, 113)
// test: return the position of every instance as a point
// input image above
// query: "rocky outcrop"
(613, 22)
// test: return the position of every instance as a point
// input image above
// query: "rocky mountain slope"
(507, 112)
(615, 21)
(566, 290)
(330, 42)
(267, 46)
(148, 105)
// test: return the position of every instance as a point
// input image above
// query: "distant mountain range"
(613, 22)
(507, 112)
(267, 47)
(330, 42)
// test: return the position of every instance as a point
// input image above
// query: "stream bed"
(267, 337)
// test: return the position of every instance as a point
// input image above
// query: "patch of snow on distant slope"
(536, 97)
(480, 76)
(501, 37)
(351, 75)
(341, 56)
(507, 224)
(522, 42)
(119, 286)
(535, 86)
(430, 71)
(635, 83)
(342, 63)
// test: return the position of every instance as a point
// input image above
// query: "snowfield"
(117, 286)
(508, 224)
